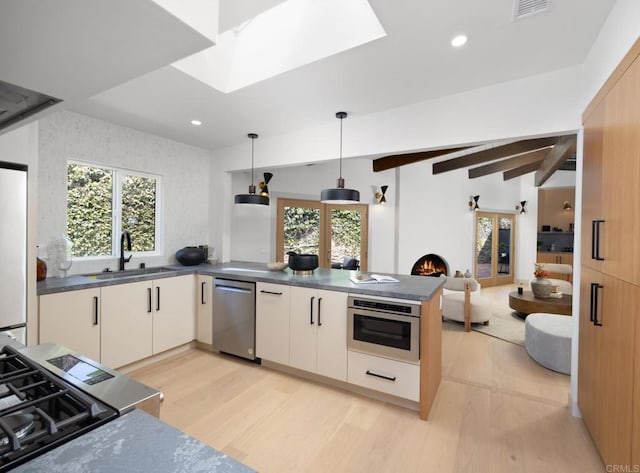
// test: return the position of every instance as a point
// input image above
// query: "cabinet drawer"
(372, 372)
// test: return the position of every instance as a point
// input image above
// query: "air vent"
(524, 8)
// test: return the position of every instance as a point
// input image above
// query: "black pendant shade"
(340, 195)
(253, 198)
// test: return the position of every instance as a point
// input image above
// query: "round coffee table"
(526, 303)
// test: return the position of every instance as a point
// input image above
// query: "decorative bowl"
(277, 266)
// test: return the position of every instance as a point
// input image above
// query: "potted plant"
(541, 286)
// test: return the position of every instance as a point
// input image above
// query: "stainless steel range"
(49, 395)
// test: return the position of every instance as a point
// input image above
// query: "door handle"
(95, 310)
(592, 303)
(319, 302)
(157, 298)
(311, 310)
(595, 240)
(202, 285)
(595, 305)
(149, 300)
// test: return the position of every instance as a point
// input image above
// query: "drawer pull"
(389, 378)
(271, 292)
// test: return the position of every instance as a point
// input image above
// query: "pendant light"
(340, 195)
(252, 197)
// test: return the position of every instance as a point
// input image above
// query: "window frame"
(117, 175)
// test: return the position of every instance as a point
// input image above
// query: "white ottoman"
(547, 338)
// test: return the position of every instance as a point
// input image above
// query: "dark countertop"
(416, 288)
(135, 442)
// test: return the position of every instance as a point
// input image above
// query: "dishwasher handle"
(240, 290)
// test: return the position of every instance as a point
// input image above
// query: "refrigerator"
(13, 250)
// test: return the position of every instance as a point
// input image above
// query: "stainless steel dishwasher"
(234, 317)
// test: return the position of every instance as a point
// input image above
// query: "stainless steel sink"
(129, 273)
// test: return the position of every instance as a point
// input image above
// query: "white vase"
(541, 287)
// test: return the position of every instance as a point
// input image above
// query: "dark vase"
(190, 256)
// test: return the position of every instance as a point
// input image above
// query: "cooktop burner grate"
(39, 411)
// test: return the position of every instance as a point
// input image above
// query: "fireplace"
(430, 265)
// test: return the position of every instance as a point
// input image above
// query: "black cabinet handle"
(389, 378)
(319, 302)
(157, 298)
(592, 304)
(596, 287)
(202, 285)
(311, 310)
(95, 310)
(149, 300)
(595, 240)
(270, 292)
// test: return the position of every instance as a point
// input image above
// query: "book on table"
(372, 278)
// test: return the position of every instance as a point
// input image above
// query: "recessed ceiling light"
(458, 41)
(196, 122)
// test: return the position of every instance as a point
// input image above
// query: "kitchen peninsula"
(424, 290)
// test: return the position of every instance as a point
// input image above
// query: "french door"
(331, 231)
(494, 248)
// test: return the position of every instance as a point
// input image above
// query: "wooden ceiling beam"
(522, 170)
(397, 160)
(557, 156)
(510, 163)
(511, 149)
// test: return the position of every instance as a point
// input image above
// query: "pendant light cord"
(341, 147)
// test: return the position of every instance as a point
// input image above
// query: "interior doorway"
(494, 245)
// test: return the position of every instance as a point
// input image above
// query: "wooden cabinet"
(73, 320)
(606, 371)
(174, 321)
(608, 381)
(127, 323)
(318, 332)
(204, 299)
(272, 322)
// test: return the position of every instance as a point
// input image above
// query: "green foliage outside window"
(89, 202)
(90, 219)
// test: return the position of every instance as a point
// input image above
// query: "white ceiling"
(414, 62)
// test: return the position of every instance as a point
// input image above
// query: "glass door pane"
(484, 247)
(299, 228)
(346, 235)
(505, 273)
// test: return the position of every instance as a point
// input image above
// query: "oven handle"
(389, 378)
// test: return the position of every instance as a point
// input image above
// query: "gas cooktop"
(39, 411)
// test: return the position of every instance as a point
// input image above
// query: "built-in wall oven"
(384, 327)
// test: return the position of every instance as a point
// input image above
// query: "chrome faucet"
(125, 235)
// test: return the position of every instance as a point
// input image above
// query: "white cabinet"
(272, 322)
(381, 374)
(174, 314)
(127, 323)
(318, 332)
(204, 298)
(72, 319)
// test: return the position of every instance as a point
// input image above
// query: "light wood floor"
(496, 411)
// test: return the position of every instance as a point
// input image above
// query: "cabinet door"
(127, 323)
(73, 320)
(272, 322)
(621, 174)
(605, 379)
(204, 297)
(332, 335)
(304, 320)
(174, 318)
(592, 186)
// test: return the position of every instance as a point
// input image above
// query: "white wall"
(184, 170)
(20, 146)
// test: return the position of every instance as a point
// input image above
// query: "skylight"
(289, 35)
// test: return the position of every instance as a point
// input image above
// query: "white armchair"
(463, 302)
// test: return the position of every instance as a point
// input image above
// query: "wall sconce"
(380, 195)
(521, 207)
(566, 205)
(473, 202)
(264, 189)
